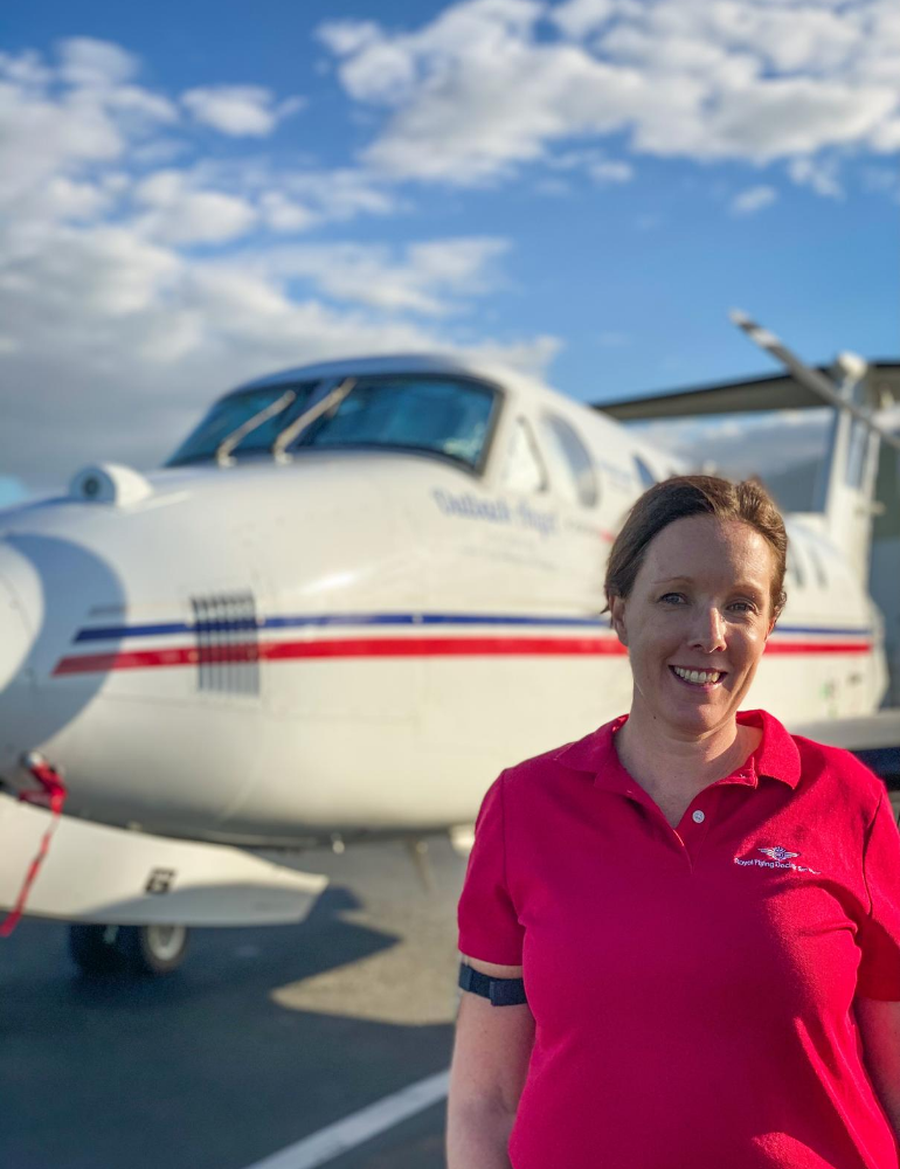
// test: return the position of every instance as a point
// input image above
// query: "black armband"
(503, 992)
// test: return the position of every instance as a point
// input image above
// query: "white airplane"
(354, 593)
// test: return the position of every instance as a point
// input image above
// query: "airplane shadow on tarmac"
(206, 1068)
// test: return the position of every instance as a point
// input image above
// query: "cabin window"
(232, 412)
(818, 567)
(523, 470)
(438, 416)
(571, 464)
(794, 567)
(644, 474)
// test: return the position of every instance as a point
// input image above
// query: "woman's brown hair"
(689, 495)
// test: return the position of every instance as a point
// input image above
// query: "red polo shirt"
(692, 987)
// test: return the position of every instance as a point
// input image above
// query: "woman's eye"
(671, 598)
(744, 606)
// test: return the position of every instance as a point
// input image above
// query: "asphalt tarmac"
(263, 1038)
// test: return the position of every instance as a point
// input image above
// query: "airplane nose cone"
(17, 636)
(15, 639)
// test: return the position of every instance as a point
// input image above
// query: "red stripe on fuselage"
(818, 647)
(391, 647)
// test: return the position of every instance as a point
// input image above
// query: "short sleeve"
(489, 927)
(879, 938)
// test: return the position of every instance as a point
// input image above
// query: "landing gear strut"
(132, 949)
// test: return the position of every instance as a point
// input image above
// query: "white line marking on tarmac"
(359, 1127)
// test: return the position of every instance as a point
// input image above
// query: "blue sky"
(197, 193)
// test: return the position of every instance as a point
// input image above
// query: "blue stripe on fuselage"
(119, 632)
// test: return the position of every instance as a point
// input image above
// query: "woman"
(705, 907)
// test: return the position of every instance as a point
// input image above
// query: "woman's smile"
(699, 678)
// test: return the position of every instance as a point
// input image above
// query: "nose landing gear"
(131, 949)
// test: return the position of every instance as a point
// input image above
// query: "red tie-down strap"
(51, 795)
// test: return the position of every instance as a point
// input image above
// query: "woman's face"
(696, 622)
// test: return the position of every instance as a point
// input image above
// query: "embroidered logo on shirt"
(778, 853)
(780, 858)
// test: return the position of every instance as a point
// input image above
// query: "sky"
(194, 194)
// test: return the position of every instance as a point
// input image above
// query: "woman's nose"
(709, 633)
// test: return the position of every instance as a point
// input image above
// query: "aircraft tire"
(152, 949)
(93, 948)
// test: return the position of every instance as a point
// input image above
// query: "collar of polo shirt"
(776, 756)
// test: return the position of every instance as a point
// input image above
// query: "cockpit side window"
(233, 411)
(442, 416)
(523, 470)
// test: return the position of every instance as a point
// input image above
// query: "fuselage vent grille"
(227, 635)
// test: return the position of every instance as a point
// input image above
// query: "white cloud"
(341, 194)
(122, 342)
(431, 279)
(753, 199)
(344, 37)
(532, 356)
(483, 88)
(41, 137)
(579, 18)
(141, 105)
(67, 199)
(820, 174)
(283, 214)
(239, 110)
(85, 61)
(179, 214)
(61, 121)
(555, 188)
(886, 136)
(26, 69)
(611, 172)
(119, 333)
(776, 118)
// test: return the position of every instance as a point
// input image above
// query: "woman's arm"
(490, 1062)
(879, 1027)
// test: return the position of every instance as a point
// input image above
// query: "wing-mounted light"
(109, 483)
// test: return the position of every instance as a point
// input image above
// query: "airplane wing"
(96, 873)
(774, 392)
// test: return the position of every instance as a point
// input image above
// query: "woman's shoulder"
(820, 764)
(823, 760)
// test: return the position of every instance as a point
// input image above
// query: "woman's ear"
(617, 617)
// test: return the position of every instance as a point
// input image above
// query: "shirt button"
(698, 817)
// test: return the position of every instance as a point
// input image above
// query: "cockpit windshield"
(231, 413)
(442, 415)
